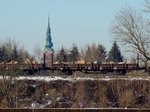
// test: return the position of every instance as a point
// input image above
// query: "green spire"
(49, 44)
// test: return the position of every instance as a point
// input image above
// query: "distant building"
(48, 45)
(48, 48)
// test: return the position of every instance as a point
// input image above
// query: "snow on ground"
(70, 78)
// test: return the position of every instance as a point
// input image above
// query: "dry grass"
(118, 93)
(140, 73)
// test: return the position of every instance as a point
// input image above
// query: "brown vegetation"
(119, 93)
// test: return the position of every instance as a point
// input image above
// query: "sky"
(72, 21)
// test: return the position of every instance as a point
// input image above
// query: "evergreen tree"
(10, 51)
(101, 52)
(15, 52)
(4, 54)
(115, 54)
(61, 55)
(74, 53)
(1, 54)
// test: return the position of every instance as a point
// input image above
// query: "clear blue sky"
(72, 21)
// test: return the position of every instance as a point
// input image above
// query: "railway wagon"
(70, 67)
(95, 67)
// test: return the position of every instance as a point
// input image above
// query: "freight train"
(32, 67)
(69, 68)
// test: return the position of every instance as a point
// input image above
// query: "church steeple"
(49, 44)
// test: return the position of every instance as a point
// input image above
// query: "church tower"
(48, 44)
(48, 49)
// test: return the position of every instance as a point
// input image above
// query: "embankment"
(72, 93)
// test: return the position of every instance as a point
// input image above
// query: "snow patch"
(50, 78)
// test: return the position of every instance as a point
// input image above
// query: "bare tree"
(147, 6)
(89, 55)
(10, 52)
(94, 52)
(38, 53)
(8, 88)
(130, 29)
